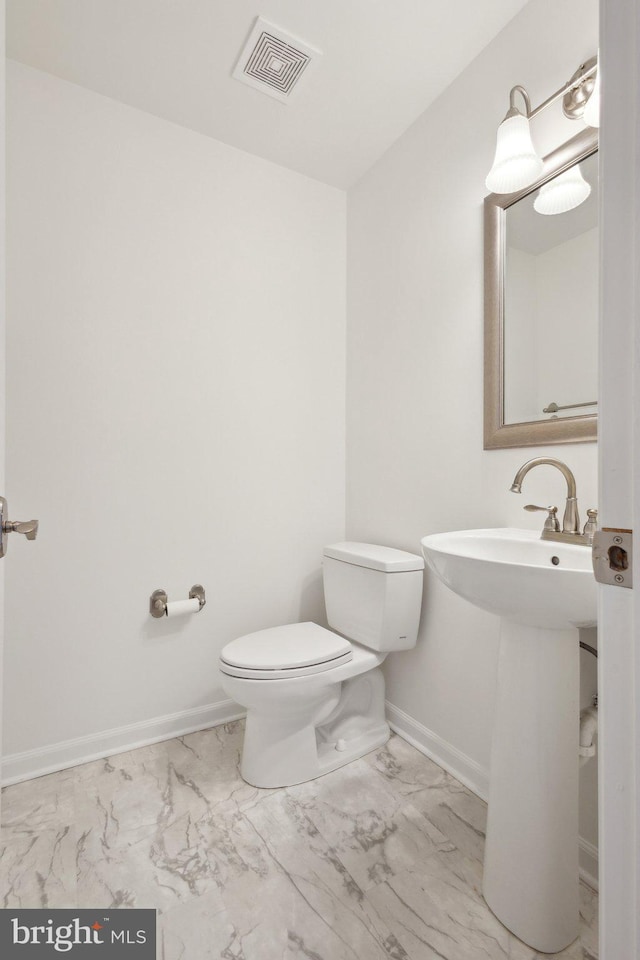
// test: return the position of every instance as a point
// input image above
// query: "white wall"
(415, 461)
(176, 405)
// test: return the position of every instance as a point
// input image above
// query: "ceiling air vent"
(273, 61)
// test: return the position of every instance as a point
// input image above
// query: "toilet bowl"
(315, 697)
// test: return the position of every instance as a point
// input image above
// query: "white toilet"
(315, 699)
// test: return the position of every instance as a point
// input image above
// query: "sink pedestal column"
(531, 857)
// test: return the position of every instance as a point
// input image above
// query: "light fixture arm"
(513, 110)
(582, 74)
(590, 67)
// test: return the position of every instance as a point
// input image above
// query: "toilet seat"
(293, 650)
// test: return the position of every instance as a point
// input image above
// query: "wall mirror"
(541, 304)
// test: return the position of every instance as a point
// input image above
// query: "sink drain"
(555, 561)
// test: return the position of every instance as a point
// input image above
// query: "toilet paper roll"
(176, 607)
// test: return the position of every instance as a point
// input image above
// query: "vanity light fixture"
(564, 192)
(516, 164)
(591, 115)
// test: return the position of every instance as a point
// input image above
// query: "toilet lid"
(292, 650)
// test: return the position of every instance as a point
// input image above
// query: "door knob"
(27, 527)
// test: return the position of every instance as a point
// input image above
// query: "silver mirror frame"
(497, 433)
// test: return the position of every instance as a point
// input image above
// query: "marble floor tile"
(462, 819)
(39, 870)
(381, 860)
(447, 805)
(374, 832)
(38, 843)
(411, 775)
(197, 929)
(36, 806)
(187, 852)
(316, 877)
(285, 920)
(434, 912)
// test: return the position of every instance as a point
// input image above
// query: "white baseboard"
(471, 774)
(458, 764)
(70, 753)
(588, 854)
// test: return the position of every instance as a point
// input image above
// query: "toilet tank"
(373, 594)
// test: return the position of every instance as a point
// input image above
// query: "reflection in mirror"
(551, 304)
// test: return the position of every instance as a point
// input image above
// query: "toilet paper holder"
(159, 599)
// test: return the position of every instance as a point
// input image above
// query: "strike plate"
(612, 556)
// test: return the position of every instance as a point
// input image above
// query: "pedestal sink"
(543, 592)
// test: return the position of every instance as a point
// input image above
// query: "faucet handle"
(591, 525)
(552, 522)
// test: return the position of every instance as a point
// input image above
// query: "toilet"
(315, 697)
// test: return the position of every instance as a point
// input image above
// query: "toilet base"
(330, 757)
(325, 758)
(312, 736)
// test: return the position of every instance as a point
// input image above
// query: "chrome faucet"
(570, 532)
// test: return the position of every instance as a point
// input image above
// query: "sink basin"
(542, 591)
(517, 576)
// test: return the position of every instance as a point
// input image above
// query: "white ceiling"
(384, 62)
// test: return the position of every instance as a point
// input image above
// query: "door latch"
(612, 556)
(27, 527)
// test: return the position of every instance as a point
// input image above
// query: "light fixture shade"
(563, 193)
(516, 164)
(591, 115)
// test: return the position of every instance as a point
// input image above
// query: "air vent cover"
(273, 61)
